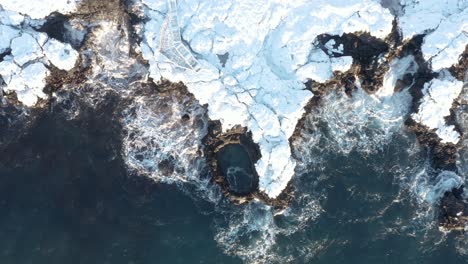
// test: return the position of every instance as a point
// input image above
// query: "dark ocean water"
(67, 197)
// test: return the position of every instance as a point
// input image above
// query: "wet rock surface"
(217, 144)
(235, 165)
(234, 148)
(365, 51)
(371, 58)
(459, 70)
(453, 211)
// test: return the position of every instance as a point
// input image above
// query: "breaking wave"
(163, 139)
(363, 122)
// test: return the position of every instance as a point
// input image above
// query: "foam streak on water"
(431, 189)
(160, 142)
(362, 122)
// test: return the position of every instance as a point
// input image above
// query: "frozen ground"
(24, 68)
(446, 26)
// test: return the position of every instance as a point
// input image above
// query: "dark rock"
(365, 51)
(235, 164)
(186, 117)
(216, 142)
(443, 156)
(223, 58)
(459, 70)
(58, 26)
(166, 166)
(453, 211)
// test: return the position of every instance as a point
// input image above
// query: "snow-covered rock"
(25, 48)
(39, 8)
(435, 106)
(10, 18)
(270, 52)
(27, 82)
(320, 67)
(446, 26)
(8, 33)
(24, 71)
(62, 55)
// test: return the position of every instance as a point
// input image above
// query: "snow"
(439, 95)
(320, 67)
(24, 71)
(62, 55)
(341, 64)
(10, 18)
(25, 48)
(271, 54)
(7, 33)
(27, 82)
(39, 8)
(444, 46)
(330, 46)
(446, 27)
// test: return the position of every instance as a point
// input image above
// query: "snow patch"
(62, 55)
(320, 67)
(27, 82)
(435, 106)
(25, 48)
(24, 71)
(446, 26)
(40, 8)
(8, 33)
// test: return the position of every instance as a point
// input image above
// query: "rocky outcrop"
(365, 51)
(460, 69)
(215, 142)
(453, 211)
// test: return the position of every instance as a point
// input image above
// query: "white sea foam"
(251, 232)
(159, 143)
(461, 116)
(363, 122)
(430, 189)
(157, 132)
